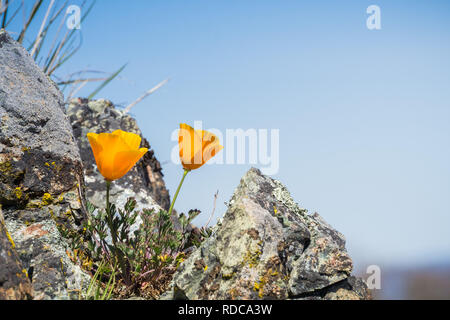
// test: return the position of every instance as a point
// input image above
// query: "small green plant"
(140, 262)
(97, 290)
(144, 260)
(192, 236)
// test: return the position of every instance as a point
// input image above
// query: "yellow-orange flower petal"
(196, 146)
(133, 140)
(115, 153)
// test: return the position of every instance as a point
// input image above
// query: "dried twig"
(39, 36)
(145, 95)
(75, 90)
(73, 81)
(214, 208)
(63, 20)
(47, 27)
(54, 57)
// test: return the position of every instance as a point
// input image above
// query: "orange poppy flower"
(115, 153)
(196, 146)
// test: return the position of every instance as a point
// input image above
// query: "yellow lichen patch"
(259, 286)
(47, 199)
(205, 268)
(10, 239)
(19, 192)
(5, 166)
(62, 266)
(80, 257)
(252, 257)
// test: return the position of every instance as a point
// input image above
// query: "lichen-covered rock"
(267, 247)
(41, 175)
(14, 281)
(144, 181)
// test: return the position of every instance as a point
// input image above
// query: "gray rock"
(14, 281)
(144, 181)
(41, 181)
(267, 247)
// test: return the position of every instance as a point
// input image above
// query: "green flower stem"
(178, 190)
(109, 216)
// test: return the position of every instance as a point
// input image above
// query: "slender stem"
(108, 187)
(117, 253)
(109, 215)
(178, 190)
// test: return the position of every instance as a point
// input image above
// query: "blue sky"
(363, 114)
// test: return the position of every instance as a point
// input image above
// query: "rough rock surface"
(267, 247)
(14, 283)
(144, 181)
(41, 175)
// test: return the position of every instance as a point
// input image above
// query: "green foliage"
(145, 258)
(97, 290)
(192, 236)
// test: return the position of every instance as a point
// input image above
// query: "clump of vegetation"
(139, 263)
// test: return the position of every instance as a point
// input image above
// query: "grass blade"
(35, 9)
(13, 15)
(5, 13)
(109, 287)
(115, 74)
(93, 280)
(47, 27)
